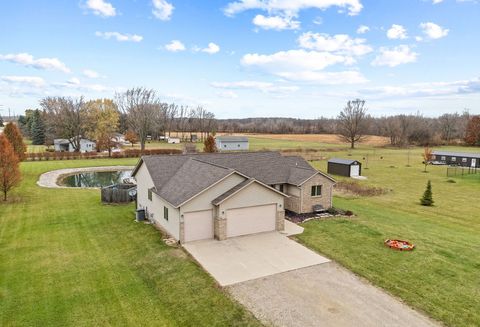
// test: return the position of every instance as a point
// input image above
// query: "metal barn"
(457, 158)
(344, 167)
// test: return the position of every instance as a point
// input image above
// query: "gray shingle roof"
(342, 161)
(232, 138)
(231, 191)
(178, 178)
(456, 154)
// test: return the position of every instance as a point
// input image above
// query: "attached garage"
(344, 167)
(251, 220)
(198, 225)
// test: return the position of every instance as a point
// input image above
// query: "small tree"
(209, 145)
(427, 157)
(351, 122)
(9, 167)
(37, 131)
(427, 198)
(131, 137)
(14, 136)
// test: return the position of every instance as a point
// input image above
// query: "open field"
(442, 276)
(68, 260)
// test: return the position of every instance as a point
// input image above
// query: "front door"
(474, 162)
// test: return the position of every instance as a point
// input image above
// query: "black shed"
(344, 167)
(457, 158)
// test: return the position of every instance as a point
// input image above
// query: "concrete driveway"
(244, 258)
(323, 295)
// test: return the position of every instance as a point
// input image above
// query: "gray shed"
(344, 167)
(232, 143)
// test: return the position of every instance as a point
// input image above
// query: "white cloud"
(32, 81)
(162, 9)
(437, 1)
(291, 7)
(326, 78)
(175, 46)
(340, 43)
(101, 8)
(264, 87)
(395, 56)
(120, 36)
(228, 94)
(28, 60)
(276, 23)
(212, 48)
(362, 29)
(74, 81)
(433, 31)
(91, 73)
(397, 32)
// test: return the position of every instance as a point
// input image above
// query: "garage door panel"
(251, 220)
(198, 225)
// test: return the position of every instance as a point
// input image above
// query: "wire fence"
(461, 171)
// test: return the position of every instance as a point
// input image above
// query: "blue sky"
(246, 58)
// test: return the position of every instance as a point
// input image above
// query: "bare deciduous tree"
(351, 125)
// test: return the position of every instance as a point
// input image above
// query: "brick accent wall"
(182, 231)
(307, 201)
(280, 221)
(220, 228)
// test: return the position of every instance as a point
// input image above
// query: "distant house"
(457, 158)
(173, 140)
(118, 138)
(64, 145)
(344, 167)
(232, 143)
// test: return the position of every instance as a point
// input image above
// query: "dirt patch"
(357, 189)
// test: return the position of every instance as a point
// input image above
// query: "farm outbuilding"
(231, 143)
(457, 158)
(344, 167)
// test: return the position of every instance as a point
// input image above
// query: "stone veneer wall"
(220, 228)
(280, 220)
(325, 199)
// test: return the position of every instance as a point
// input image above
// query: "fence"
(120, 193)
(461, 171)
(130, 153)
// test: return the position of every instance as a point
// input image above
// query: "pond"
(95, 178)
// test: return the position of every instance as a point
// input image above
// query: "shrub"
(427, 198)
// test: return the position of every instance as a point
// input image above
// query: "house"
(118, 138)
(222, 195)
(231, 143)
(64, 145)
(173, 140)
(344, 167)
(457, 158)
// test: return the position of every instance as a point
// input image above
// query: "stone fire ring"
(50, 179)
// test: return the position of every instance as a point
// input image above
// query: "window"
(433, 157)
(281, 188)
(224, 145)
(443, 158)
(238, 145)
(316, 190)
(165, 213)
(454, 158)
(464, 159)
(150, 194)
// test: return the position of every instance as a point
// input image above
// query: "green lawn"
(68, 260)
(442, 276)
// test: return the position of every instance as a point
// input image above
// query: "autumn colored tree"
(427, 157)
(209, 145)
(472, 136)
(104, 117)
(14, 136)
(131, 137)
(9, 167)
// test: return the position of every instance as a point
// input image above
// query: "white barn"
(232, 143)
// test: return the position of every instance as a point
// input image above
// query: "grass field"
(68, 260)
(442, 276)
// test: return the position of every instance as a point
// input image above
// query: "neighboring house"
(457, 158)
(222, 195)
(231, 143)
(64, 145)
(173, 140)
(119, 138)
(344, 167)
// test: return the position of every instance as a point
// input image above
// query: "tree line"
(138, 113)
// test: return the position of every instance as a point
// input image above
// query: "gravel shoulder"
(324, 295)
(49, 179)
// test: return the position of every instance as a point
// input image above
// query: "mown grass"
(68, 260)
(442, 276)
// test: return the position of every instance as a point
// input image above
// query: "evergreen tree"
(37, 131)
(14, 136)
(427, 198)
(209, 144)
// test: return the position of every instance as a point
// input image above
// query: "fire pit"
(399, 245)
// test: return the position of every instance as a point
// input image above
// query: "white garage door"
(198, 225)
(251, 220)
(354, 170)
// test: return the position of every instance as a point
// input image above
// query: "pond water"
(95, 178)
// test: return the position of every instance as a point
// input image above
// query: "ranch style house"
(222, 195)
